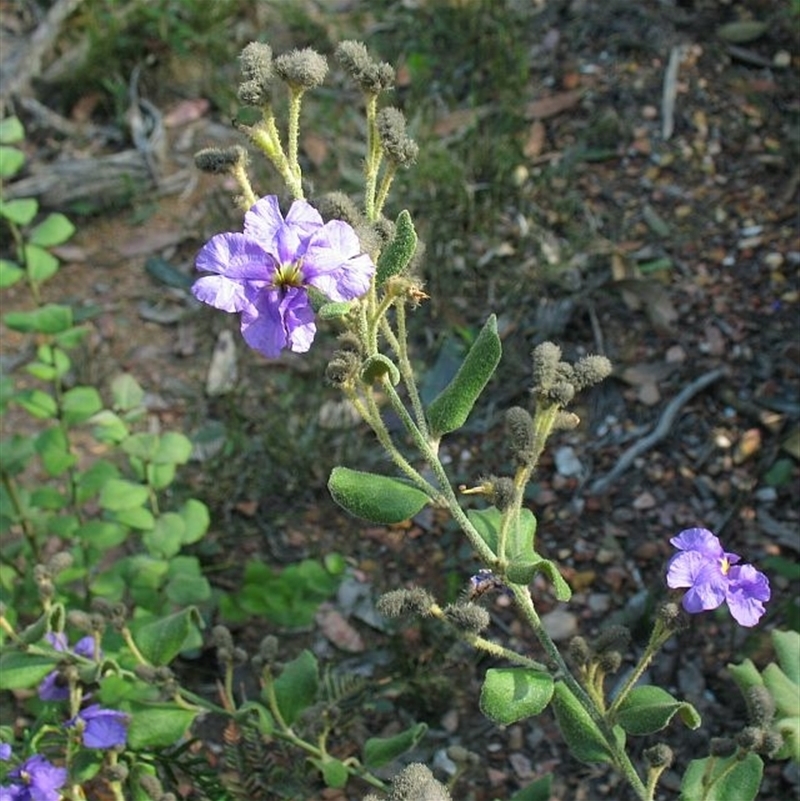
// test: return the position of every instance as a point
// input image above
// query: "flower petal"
(699, 539)
(236, 256)
(298, 320)
(262, 325)
(263, 220)
(334, 263)
(747, 591)
(221, 293)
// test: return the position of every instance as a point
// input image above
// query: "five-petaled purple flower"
(35, 779)
(713, 577)
(102, 728)
(51, 687)
(264, 273)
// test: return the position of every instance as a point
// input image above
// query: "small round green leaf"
(54, 230)
(118, 494)
(22, 210)
(379, 499)
(722, 778)
(512, 694)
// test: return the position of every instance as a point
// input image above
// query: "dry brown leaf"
(535, 141)
(334, 626)
(555, 104)
(316, 148)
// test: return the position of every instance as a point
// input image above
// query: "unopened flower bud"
(151, 785)
(268, 648)
(416, 783)
(580, 654)
(609, 661)
(146, 673)
(343, 368)
(773, 742)
(519, 434)
(79, 620)
(761, 705)
(373, 77)
(117, 772)
(591, 370)
(566, 421)
(338, 206)
(467, 617)
(397, 603)
(397, 145)
(302, 69)
(670, 615)
(659, 756)
(255, 62)
(221, 637)
(59, 562)
(751, 738)
(239, 656)
(546, 357)
(221, 160)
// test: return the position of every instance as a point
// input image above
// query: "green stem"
(16, 502)
(373, 158)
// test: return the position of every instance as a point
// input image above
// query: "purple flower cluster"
(714, 577)
(35, 779)
(101, 728)
(265, 272)
(51, 687)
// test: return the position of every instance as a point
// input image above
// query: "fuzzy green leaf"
(126, 392)
(379, 499)
(376, 367)
(450, 409)
(41, 263)
(161, 640)
(118, 494)
(52, 318)
(10, 273)
(785, 692)
(20, 670)
(165, 538)
(37, 403)
(584, 739)
(512, 694)
(11, 130)
(380, 751)
(787, 648)
(398, 253)
(79, 404)
(296, 687)
(22, 210)
(157, 725)
(334, 772)
(722, 779)
(648, 709)
(196, 520)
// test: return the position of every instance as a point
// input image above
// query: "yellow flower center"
(725, 566)
(289, 275)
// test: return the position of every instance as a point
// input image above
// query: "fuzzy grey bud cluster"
(220, 160)
(415, 783)
(302, 69)
(556, 381)
(256, 65)
(398, 603)
(398, 146)
(373, 77)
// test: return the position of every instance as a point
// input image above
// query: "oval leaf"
(158, 726)
(722, 778)
(379, 499)
(450, 409)
(584, 739)
(649, 709)
(296, 687)
(511, 694)
(398, 253)
(161, 641)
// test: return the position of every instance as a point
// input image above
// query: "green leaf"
(109, 427)
(136, 517)
(20, 211)
(160, 476)
(785, 692)
(722, 779)
(48, 498)
(380, 751)
(37, 403)
(41, 264)
(101, 534)
(520, 539)
(379, 499)
(335, 311)
(511, 694)
(196, 519)
(11, 130)
(334, 772)
(536, 791)
(165, 538)
(296, 687)
(20, 670)
(126, 392)
(397, 255)
(187, 584)
(378, 366)
(79, 404)
(787, 648)
(15, 453)
(173, 448)
(53, 449)
(118, 494)
(11, 161)
(55, 229)
(91, 480)
(72, 336)
(449, 410)
(142, 446)
(162, 640)
(581, 733)
(648, 709)
(157, 725)
(52, 318)
(10, 273)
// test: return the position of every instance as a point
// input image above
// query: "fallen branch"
(659, 432)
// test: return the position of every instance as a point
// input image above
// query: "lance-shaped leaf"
(379, 499)
(519, 545)
(722, 778)
(511, 694)
(380, 751)
(584, 738)
(397, 255)
(296, 687)
(450, 409)
(649, 709)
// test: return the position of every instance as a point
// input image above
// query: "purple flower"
(35, 779)
(5, 752)
(102, 728)
(714, 577)
(52, 687)
(264, 273)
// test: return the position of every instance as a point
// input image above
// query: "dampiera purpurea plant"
(111, 700)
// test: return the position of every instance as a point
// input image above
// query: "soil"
(675, 253)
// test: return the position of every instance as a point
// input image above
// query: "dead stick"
(660, 431)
